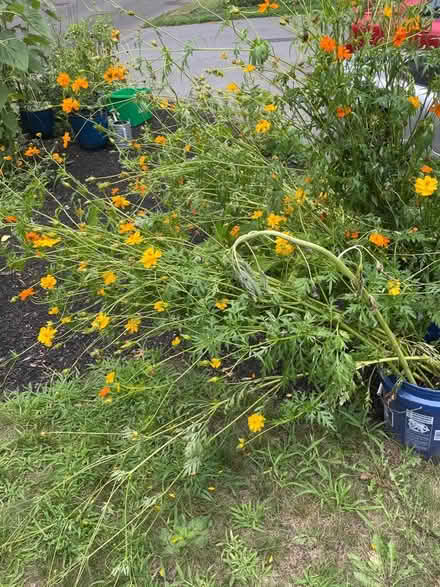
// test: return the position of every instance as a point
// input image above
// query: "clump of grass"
(94, 491)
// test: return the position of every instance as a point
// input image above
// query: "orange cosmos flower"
(63, 79)
(70, 104)
(435, 108)
(31, 151)
(399, 37)
(26, 293)
(66, 139)
(80, 82)
(10, 219)
(342, 111)
(104, 391)
(426, 169)
(343, 53)
(379, 239)
(327, 44)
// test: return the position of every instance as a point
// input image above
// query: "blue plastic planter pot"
(413, 416)
(85, 132)
(433, 333)
(40, 121)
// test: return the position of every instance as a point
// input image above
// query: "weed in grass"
(246, 565)
(321, 578)
(383, 566)
(248, 515)
(182, 534)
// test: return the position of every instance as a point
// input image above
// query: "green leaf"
(4, 93)
(37, 23)
(10, 121)
(14, 53)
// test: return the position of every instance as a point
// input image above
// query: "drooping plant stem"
(342, 268)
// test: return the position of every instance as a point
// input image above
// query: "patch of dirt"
(23, 360)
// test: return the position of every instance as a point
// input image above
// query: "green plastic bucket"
(124, 102)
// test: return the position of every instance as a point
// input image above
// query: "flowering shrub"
(366, 131)
(279, 312)
(85, 64)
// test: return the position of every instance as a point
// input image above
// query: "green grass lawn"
(93, 492)
(199, 11)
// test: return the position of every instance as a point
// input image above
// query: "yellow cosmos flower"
(160, 140)
(132, 325)
(222, 304)
(110, 377)
(393, 287)
(48, 282)
(414, 101)
(57, 158)
(82, 266)
(160, 306)
(234, 231)
(215, 363)
(150, 257)
(134, 238)
(249, 68)
(283, 247)
(425, 186)
(263, 126)
(257, 214)
(120, 202)
(241, 443)
(109, 277)
(274, 220)
(232, 87)
(388, 11)
(45, 241)
(270, 107)
(300, 196)
(126, 227)
(256, 422)
(54, 310)
(176, 341)
(47, 334)
(101, 321)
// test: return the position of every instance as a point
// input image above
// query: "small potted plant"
(86, 68)
(36, 98)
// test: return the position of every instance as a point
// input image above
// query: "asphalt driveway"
(73, 10)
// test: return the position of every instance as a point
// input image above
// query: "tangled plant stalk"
(342, 268)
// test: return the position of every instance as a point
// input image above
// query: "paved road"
(210, 36)
(73, 10)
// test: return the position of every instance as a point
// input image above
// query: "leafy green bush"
(24, 39)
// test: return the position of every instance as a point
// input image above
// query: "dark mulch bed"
(23, 360)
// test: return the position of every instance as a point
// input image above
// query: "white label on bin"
(437, 435)
(418, 432)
